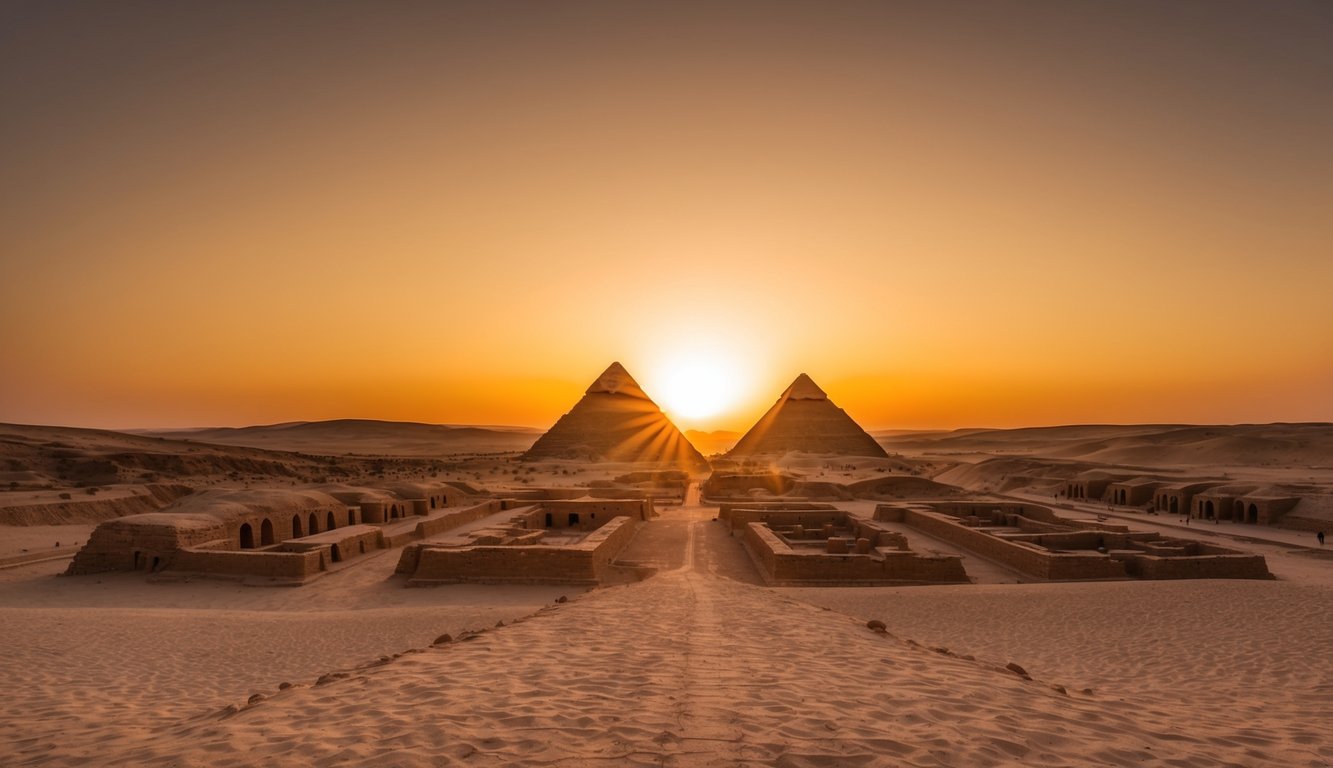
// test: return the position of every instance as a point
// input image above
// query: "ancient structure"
(820, 545)
(274, 536)
(805, 420)
(616, 421)
(554, 541)
(1032, 540)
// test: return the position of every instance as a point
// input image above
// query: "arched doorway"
(332, 523)
(266, 533)
(1253, 516)
(351, 517)
(296, 527)
(314, 524)
(337, 555)
(1208, 510)
(1175, 506)
(247, 536)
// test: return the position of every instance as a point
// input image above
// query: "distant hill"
(362, 436)
(1272, 445)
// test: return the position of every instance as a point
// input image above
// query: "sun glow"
(697, 388)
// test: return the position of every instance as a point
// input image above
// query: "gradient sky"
(948, 214)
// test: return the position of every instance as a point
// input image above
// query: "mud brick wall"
(296, 566)
(582, 563)
(780, 564)
(113, 545)
(1237, 566)
(1033, 562)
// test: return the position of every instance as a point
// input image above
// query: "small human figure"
(1320, 536)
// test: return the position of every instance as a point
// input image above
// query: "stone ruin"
(554, 541)
(821, 545)
(272, 536)
(1032, 540)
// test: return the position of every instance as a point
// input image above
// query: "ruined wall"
(780, 564)
(284, 566)
(1025, 558)
(582, 563)
(453, 519)
(593, 514)
(139, 541)
(341, 544)
(1232, 566)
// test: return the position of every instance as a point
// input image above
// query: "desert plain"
(690, 659)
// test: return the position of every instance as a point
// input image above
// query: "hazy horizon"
(950, 216)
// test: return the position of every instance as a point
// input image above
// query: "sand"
(697, 665)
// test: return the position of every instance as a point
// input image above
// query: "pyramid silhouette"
(616, 421)
(805, 420)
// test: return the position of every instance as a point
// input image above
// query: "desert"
(680, 649)
(762, 383)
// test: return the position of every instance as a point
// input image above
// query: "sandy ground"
(698, 665)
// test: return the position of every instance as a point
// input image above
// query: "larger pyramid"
(616, 421)
(805, 420)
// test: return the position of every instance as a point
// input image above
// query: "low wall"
(1024, 558)
(809, 518)
(453, 519)
(582, 563)
(294, 567)
(1237, 566)
(725, 512)
(780, 564)
(340, 544)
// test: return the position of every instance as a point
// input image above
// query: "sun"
(696, 389)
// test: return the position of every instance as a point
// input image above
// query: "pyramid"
(805, 420)
(616, 421)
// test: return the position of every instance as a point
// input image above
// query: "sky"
(948, 214)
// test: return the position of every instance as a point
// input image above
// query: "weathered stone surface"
(616, 421)
(804, 419)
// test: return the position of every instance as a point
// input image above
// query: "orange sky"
(948, 215)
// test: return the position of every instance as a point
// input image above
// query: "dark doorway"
(247, 536)
(549, 521)
(314, 524)
(1253, 517)
(573, 519)
(332, 523)
(296, 527)
(266, 533)
(337, 556)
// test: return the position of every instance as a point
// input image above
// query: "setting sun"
(697, 387)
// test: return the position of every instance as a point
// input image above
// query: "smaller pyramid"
(805, 420)
(617, 421)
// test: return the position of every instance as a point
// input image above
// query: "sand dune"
(1279, 445)
(365, 437)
